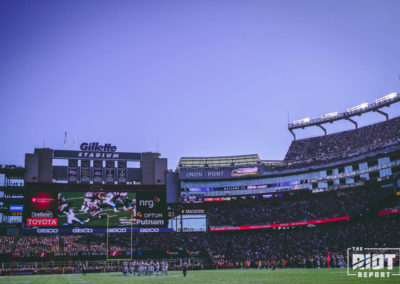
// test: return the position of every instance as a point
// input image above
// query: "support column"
(352, 121)
(294, 135)
(323, 128)
(383, 113)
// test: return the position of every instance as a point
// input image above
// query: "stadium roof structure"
(272, 163)
(12, 172)
(385, 101)
(186, 162)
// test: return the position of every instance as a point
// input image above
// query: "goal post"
(107, 250)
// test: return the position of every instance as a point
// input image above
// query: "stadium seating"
(311, 207)
(348, 142)
(6, 244)
(296, 247)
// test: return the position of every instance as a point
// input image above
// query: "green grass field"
(292, 276)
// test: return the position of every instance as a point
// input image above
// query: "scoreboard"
(95, 207)
(97, 163)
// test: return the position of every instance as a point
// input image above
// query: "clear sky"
(204, 78)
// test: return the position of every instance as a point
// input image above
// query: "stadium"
(104, 213)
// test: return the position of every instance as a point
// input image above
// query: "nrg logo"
(150, 203)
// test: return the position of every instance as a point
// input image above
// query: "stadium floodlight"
(361, 106)
(301, 121)
(331, 114)
(386, 98)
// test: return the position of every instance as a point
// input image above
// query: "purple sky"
(206, 78)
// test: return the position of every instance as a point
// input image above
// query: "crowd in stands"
(347, 143)
(308, 242)
(393, 204)
(122, 242)
(36, 244)
(275, 211)
(82, 243)
(302, 246)
(296, 247)
(6, 244)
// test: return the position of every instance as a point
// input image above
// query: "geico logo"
(47, 231)
(148, 203)
(116, 230)
(149, 230)
(78, 230)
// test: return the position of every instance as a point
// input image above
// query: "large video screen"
(96, 209)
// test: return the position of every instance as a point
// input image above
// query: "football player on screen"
(123, 199)
(71, 217)
(62, 203)
(94, 210)
(109, 199)
(87, 197)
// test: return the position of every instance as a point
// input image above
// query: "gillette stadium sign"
(97, 150)
(96, 147)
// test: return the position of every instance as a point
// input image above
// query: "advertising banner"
(42, 222)
(301, 223)
(122, 169)
(244, 172)
(40, 208)
(16, 208)
(151, 210)
(110, 172)
(93, 230)
(72, 171)
(199, 174)
(97, 171)
(91, 155)
(389, 211)
(85, 171)
(221, 173)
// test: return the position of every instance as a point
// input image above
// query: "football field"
(291, 276)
